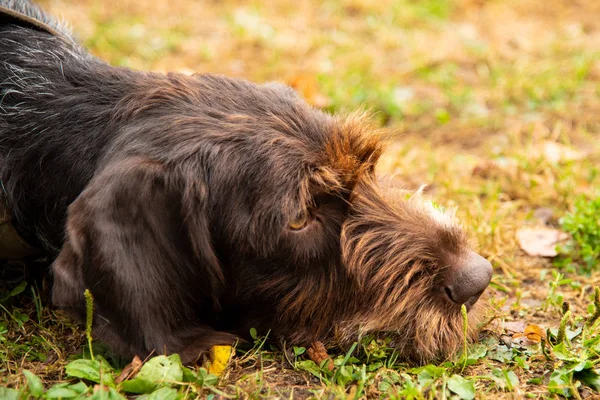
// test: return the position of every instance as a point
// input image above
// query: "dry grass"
(484, 96)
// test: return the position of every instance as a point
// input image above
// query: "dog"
(195, 208)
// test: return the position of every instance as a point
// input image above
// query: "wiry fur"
(179, 192)
(27, 8)
(400, 250)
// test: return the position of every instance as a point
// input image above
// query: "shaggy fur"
(170, 198)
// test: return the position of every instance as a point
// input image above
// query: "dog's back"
(30, 13)
(55, 100)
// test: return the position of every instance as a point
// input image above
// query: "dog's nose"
(468, 281)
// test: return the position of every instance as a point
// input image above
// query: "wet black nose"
(467, 282)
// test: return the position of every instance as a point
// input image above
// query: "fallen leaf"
(540, 241)
(464, 388)
(514, 326)
(307, 87)
(130, 370)
(543, 214)
(219, 358)
(494, 169)
(100, 388)
(157, 372)
(318, 354)
(555, 152)
(531, 335)
(534, 333)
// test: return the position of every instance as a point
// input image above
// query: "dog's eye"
(300, 221)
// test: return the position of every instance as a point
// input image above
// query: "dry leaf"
(318, 353)
(100, 388)
(543, 214)
(307, 86)
(219, 358)
(130, 370)
(531, 335)
(514, 326)
(555, 152)
(540, 241)
(493, 169)
(534, 333)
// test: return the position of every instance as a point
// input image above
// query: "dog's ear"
(146, 258)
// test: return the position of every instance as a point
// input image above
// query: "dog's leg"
(128, 243)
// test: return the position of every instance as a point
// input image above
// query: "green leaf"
(162, 369)
(138, 385)
(535, 381)
(253, 333)
(97, 370)
(309, 366)
(384, 386)
(36, 387)
(476, 352)
(511, 379)
(428, 373)
(501, 353)
(107, 393)
(299, 351)
(61, 393)
(157, 372)
(344, 375)
(17, 290)
(163, 393)
(464, 388)
(504, 379)
(410, 390)
(188, 375)
(9, 394)
(559, 383)
(576, 367)
(374, 366)
(572, 334)
(20, 317)
(521, 362)
(205, 378)
(79, 387)
(563, 353)
(589, 377)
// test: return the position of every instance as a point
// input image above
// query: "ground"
(494, 104)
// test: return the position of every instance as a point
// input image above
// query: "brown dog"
(200, 207)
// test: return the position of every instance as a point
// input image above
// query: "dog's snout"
(468, 280)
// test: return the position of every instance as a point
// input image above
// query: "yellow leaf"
(534, 333)
(308, 87)
(219, 358)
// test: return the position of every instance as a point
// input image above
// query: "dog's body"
(201, 206)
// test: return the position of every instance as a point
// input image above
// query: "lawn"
(494, 104)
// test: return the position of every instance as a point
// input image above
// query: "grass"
(582, 251)
(494, 103)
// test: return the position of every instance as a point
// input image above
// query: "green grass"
(495, 105)
(563, 363)
(582, 252)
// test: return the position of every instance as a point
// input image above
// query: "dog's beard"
(396, 250)
(421, 328)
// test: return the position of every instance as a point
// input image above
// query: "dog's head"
(287, 228)
(313, 248)
(415, 271)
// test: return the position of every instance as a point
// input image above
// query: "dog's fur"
(177, 192)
